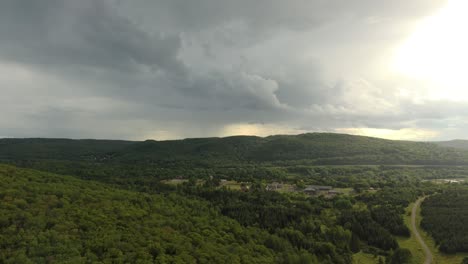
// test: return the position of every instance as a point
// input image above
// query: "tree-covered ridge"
(457, 143)
(58, 149)
(46, 218)
(313, 148)
(445, 216)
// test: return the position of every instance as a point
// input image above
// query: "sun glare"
(437, 52)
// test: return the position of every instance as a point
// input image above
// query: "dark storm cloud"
(85, 33)
(136, 69)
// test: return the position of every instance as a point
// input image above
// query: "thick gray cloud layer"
(172, 68)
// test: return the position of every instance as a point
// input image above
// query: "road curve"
(426, 249)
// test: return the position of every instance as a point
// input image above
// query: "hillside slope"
(457, 143)
(47, 218)
(60, 149)
(313, 148)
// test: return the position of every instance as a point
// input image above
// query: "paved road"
(427, 252)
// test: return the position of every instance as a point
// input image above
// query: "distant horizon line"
(220, 137)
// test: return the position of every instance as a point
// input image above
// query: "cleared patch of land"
(414, 228)
(174, 181)
(347, 191)
(448, 181)
(411, 243)
(364, 258)
(416, 249)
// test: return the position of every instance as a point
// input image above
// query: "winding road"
(426, 249)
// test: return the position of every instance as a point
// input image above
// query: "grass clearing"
(347, 191)
(415, 248)
(174, 181)
(411, 243)
(365, 258)
(231, 185)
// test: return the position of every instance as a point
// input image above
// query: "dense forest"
(238, 158)
(445, 216)
(311, 149)
(52, 218)
(458, 143)
(46, 218)
(118, 203)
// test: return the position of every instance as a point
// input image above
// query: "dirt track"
(414, 228)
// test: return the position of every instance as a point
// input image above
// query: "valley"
(209, 200)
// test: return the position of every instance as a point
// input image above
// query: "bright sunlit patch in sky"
(258, 130)
(394, 134)
(437, 52)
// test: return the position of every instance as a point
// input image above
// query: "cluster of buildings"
(313, 190)
(320, 190)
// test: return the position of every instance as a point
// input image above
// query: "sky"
(169, 69)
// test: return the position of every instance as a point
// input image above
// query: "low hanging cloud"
(172, 69)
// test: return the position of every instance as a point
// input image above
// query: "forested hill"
(47, 218)
(458, 143)
(67, 149)
(313, 148)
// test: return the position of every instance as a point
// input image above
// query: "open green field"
(364, 258)
(232, 185)
(448, 181)
(174, 181)
(411, 243)
(347, 191)
(416, 250)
